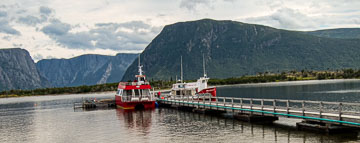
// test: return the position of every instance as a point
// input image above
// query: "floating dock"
(92, 104)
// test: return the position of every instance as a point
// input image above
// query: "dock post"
(274, 104)
(241, 104)
(217, 104)
(251, 105)
(192, 101)
(287, 107)
(210, 103)
(321, 108)
(232, 105)
(340, 109)
(198, 104)
(262, 106)
(303, 107)
(204, 102)
(188, 98)
(183, 100)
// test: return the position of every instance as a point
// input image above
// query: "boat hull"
(134, 104)
(211, 91)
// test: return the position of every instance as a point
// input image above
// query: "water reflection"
(52, 119)
(195, 126)
(16, 122)
(137, 120)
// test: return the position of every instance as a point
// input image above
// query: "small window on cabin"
(145, 92)
(203, 81)
(137, 93)
(128, 92)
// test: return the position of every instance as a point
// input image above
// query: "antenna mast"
(181, 70)
(140, 71)
(140, 66)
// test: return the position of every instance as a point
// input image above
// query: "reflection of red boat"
(136, 119)
(135, 95)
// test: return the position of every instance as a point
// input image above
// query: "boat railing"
(134, 83)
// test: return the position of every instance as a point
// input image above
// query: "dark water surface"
(53, 119)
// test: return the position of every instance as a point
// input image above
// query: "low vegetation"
(163, 84)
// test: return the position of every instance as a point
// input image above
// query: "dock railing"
(334, 112)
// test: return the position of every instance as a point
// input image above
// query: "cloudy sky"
(68, 28)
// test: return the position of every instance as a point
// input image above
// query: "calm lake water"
(53, 119)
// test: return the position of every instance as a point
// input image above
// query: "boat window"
(126, 98)
(203, 81)
(145, 92)
(128, 92)
(137, 93)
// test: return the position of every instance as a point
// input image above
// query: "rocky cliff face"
(234, 49)
(85, 69)
(18, 71)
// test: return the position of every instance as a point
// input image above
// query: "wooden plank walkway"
(347, 114)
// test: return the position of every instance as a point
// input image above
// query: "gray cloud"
(30, 20)
(37, 19)
(56, 28)
(6, 28)
(3, 14)
(285, 18)
(133, 35)
(45, 10)
(81, 40)
(292, 19)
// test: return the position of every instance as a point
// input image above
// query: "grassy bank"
(162, 84)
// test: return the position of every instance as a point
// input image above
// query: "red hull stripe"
(129, 87)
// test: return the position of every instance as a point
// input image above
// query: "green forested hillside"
(234, 49)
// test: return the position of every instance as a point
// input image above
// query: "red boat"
(136, 94)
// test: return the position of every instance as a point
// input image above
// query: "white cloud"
(131, 36)
(193, 4)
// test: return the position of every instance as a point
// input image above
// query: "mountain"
(234, 49)
(18, 71)
(85, 69)
(343, 33)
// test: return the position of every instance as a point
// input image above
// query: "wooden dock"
(92, 104)
(315, 114)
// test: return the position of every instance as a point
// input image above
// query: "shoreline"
(19, 96)
(300, 82)
(279, 83)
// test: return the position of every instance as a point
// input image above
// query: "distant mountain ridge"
(234, 49)
(342, 33)
(230, 48)
(18, 71)
(85, 69)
